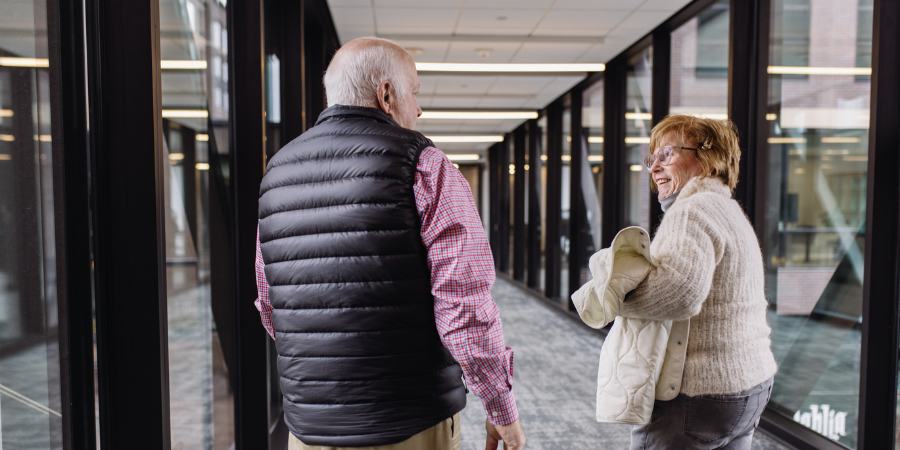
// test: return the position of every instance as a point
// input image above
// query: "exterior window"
(813, 231)
(638, 123)
(30, 388)
(699, 74)
(710, 29)
(592, 172)
(195, 108)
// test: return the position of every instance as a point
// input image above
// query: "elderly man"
(374, 273)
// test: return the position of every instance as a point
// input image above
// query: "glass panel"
(813, 234)
(542, 175)
(638, 122)
(700, 65)
(512, 201)
(30, 408)
(592, 172)
(195, 127)
(565, 199)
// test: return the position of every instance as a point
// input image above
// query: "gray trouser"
(704, 422)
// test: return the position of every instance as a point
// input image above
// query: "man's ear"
(385, 98)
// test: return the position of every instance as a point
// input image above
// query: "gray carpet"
(555, 380)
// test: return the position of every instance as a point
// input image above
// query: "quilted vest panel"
(360, 359)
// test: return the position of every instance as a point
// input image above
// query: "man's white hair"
(353, 79)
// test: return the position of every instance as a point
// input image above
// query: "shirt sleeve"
(462, 274)
(262, 286)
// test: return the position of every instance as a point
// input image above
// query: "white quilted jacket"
(641, 360)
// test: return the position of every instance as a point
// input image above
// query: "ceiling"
(499, 31)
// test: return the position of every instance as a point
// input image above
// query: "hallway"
(555, 380)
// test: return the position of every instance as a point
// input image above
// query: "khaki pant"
(443, 436)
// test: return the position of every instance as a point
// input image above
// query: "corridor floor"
(555, 375)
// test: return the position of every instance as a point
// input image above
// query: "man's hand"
(512, 435)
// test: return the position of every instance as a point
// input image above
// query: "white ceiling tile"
(485, 21)
(550, 53)
(418, 3)
(467, 52)
(664, 5)
(347, 34)
(603, 20)
(569, 31)
(462, 84)
(427, 84)
(510, 85)
(431, 51)
(352, 17)
(643, 20)
(502, 102)
(609, 5)
(415, 20)
(507, 5)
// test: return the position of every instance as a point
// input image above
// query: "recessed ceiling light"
(466, 138)
(202, 166)
(185, 113)
(795, 70)
(637, 140)
(202, 137)
(502, 68)
(595, 158)
(595, 140)
(637, 168)
(6, 113)
(24, 62)
(479, 115)
(463, 157)
(638, 116)
(840, 140)
(786, 140)
(189, 64)
(7, 137)
(176, 156)
(771, 116)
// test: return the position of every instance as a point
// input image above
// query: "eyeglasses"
(663, 155)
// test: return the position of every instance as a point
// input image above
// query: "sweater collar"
(698, 185)
(355, 111)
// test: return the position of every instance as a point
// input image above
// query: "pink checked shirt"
(462, 273)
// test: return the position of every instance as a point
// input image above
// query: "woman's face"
(681, 167)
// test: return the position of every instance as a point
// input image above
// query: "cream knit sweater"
(709, 268)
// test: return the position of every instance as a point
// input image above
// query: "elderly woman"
(709, 268)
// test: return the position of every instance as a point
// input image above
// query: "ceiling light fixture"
(637, 140)
(840, 140)
(771, 116)
(189, 64)
(6, 113)
(7, 137)
(856, 158)
(508, 68)
(637, 168)
(202, 166)
(463, 157)
(786, 140)
(466, 138)
(5, 157)
(795, 70)
(24, 62)
(185, 113)
(595, 158)
(203, 137)
(638, 116)
(42, 138)
(595, 140)
(479, 115)
(176, 156)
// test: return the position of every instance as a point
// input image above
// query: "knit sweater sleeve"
(685, 252)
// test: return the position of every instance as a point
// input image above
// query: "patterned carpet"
(555, 380)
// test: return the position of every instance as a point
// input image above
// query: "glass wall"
(566, 198)
(699, 73)
(813, 229)
(592, 171)
(542, 181)
(30, 405)
(511, 166)
(638, 123)
(195, 104)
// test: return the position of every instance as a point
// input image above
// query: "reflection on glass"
(700, 65)
(638, 123)
(566, 198)
(30, 409)
(814, 230)
(512, 202)
(201, 397)
(591, 172)
(542, 181)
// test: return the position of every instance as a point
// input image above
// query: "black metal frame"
(519, 228)
(881, 299)
(533, 273)
(124, 97)
(552, 250)
(577, 209)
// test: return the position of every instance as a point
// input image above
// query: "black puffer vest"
(360, 359)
